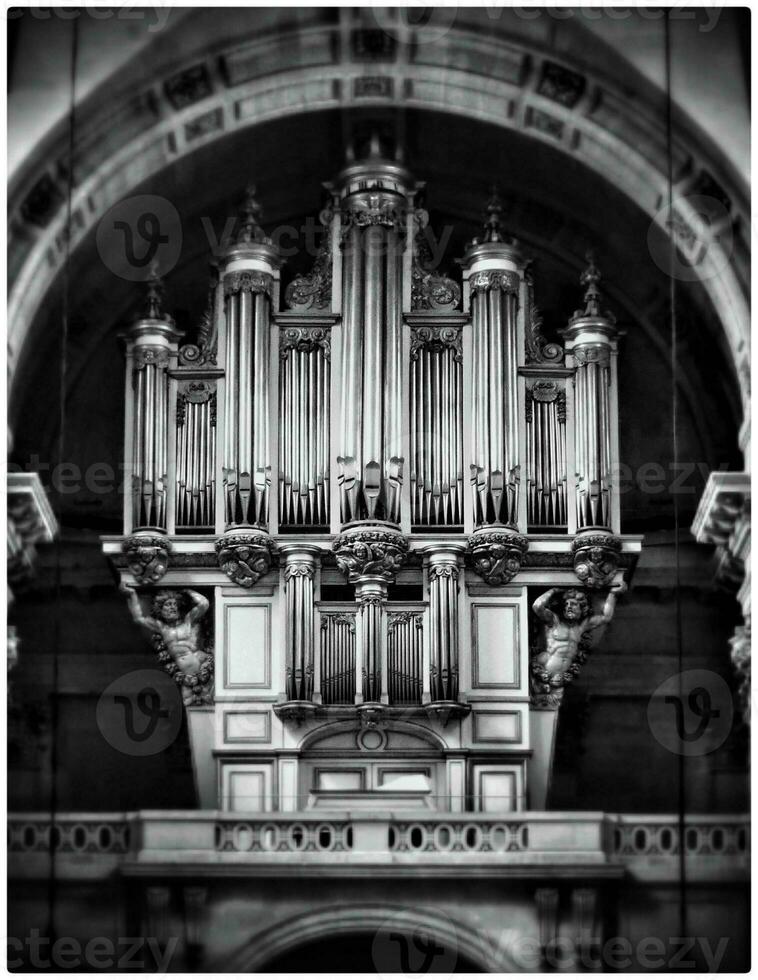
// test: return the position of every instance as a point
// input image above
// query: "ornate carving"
(177, 637)
(740, 644)
(538, 350)
(247, 282)
(296, 712)
(566, 640)
(305, 339)
(495, 279)
(593, 301)
(430, 290)
(596, 558)
(371, 715)
(299, 569)
(244, 556)
(376, 211)
(436, 339)
(447, 570)
(370, 551)
(593, 354)
(314, 290)
(369, 599)
(194, 392)
(496, 555)
(157, 356)
(560, 84)
(147, 556)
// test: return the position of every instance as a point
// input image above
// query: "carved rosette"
(157, 356)
(496, 555)
(147, 555)
(378, 552)
(245, 556)
(596, 558)
(509, 282)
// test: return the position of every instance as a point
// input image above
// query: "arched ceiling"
(548, 76)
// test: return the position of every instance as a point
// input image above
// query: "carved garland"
(147, 557)
(370, 552)
(247, 282)
(437, 339)
(496, 555)
(495, 279)
(305, 339)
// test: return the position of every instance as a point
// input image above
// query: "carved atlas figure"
(178, 640)
(568, 624)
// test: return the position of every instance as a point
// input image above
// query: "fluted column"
(591, 348)
(300, 564)
(444, 570)
(151, 349)
(371, 597)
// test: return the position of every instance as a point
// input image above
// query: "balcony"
(560, 844)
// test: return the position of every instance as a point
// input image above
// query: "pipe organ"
(382, 480)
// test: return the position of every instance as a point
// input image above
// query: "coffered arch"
(602, 119)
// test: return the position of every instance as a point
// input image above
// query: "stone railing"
(716, 847)
(646, 836)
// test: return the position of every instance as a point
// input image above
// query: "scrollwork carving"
(313, 291)
(431, 290)
(436, 339)
(299, 569)
(244, 557)
(147, 557)
(496, 555)
(370, 551)
(305, 339)
(538, 349)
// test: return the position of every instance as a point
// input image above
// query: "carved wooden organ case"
(370, 477)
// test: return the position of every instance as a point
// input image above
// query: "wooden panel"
(247, 646)
(247, 726)
(497, 726)
(247, 788)
(495, 645)
(498, 789)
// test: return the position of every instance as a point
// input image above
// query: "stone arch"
(339, 920)
(494, 73)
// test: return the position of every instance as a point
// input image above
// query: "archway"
(383, 938)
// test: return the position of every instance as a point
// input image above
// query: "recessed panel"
(247, 726)
(248, 646)
(495, 645)
(497, 726)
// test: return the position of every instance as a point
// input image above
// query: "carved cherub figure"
(179, 634)
(566, 632)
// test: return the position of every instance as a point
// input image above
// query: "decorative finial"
(250, 230)
(492, 223)
(153, 309)
(592, 299)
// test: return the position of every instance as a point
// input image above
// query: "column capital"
(299, 560)
(370, 551)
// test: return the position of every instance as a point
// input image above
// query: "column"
(591, 349)
(493, 270)
(371, 596)
(444, 570)
(300, 563)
